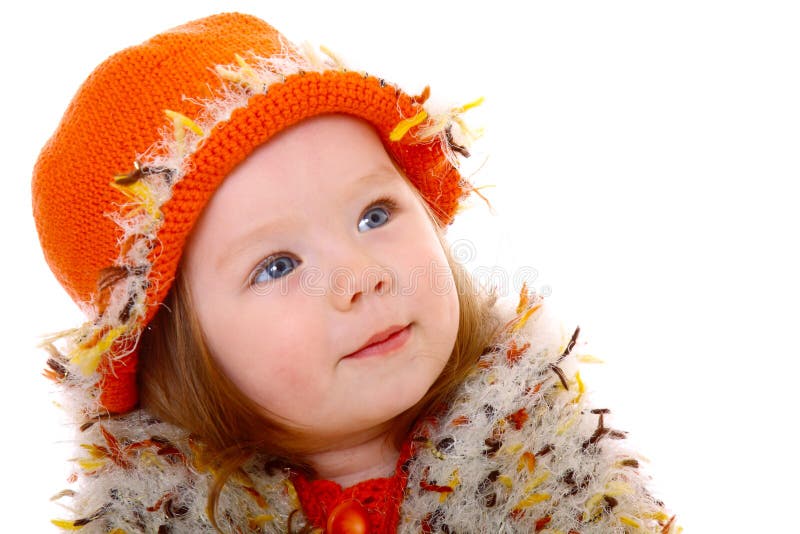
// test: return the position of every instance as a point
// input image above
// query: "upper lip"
(380, 336)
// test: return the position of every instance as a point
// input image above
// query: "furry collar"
(519, 447)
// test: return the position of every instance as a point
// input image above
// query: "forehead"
(306, 174)
(324, 154)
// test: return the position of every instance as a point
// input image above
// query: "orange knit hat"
(149, 137)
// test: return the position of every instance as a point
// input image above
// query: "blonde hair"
(180, 382)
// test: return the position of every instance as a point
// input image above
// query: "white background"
(645, 162)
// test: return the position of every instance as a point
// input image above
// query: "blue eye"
(279, 264)
(373, 218)
(273, 268)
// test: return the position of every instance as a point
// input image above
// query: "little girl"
(279, 339)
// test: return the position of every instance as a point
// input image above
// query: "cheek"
(442, 292)
(421, 262)
(432, 285)
(273, 370)
(435, 278)
(262, 347)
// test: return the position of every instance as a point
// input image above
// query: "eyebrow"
(381, 174)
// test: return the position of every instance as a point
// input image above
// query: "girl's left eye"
(374, 216)
(280, 264)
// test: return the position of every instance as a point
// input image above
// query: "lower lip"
(388, 345)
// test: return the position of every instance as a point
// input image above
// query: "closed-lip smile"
(384, 341)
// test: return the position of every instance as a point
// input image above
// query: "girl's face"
(310, 247)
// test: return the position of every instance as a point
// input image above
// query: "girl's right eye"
(272, 268)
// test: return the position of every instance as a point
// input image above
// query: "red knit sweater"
(376, 501)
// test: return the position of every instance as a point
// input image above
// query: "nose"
(358, 276)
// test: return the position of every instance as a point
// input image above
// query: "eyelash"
(383, 201)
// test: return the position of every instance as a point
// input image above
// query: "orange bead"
(349, 517)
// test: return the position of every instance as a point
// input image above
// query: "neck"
(351, 463)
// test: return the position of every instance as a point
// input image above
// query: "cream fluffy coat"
(520, 446)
